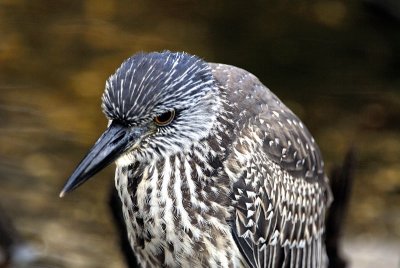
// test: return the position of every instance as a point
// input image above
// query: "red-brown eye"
(165, 118)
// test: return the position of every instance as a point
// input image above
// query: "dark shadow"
(116, 210)
(341, 179)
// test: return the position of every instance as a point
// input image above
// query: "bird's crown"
(149, 84)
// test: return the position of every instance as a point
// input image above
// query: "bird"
(212, 169)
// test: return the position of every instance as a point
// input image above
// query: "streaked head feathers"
(146, 85)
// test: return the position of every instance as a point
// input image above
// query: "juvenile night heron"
(213, 170)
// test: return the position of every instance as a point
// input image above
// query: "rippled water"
(334, 63)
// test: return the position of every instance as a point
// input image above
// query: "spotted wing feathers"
(279, 189)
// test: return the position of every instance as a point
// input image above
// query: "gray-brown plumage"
(213, 170)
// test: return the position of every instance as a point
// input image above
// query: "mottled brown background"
(336, 63)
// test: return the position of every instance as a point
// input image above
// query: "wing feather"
(280, 192)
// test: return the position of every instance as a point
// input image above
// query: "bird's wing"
(280, 192)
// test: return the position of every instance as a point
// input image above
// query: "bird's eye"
(165, 118)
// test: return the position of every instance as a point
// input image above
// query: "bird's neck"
(180, 198)
(189, 180)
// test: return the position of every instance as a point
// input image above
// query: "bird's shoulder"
(259, 115)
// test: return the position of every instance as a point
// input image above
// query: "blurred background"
(336, 63)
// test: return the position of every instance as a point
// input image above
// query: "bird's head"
(157, 104)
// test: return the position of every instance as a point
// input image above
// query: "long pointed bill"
(114, 141)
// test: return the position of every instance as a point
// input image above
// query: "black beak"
(112, 144)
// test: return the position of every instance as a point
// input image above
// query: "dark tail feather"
(116, 210)
(341, 184)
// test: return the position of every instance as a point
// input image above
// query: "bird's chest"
(173, 220)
